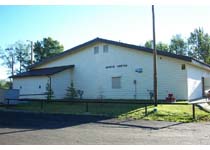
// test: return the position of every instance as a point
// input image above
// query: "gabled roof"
(42, 72)
(134, 47)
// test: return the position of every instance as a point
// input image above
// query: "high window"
(105, 48)
(183, 66)
(96, 50)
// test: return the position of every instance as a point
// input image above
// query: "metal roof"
(134, 47)
(42, 72)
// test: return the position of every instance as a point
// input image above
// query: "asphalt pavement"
(24, 128)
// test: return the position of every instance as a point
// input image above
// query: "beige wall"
(90, 73)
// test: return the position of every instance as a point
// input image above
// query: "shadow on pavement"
(26, 122)
(140, 126)
(22, 120)
(18, 131)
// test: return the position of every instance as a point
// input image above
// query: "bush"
(49, 92)
(71, 92)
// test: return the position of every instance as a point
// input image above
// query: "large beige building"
(106, 69)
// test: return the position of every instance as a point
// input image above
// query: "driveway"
(35, 128)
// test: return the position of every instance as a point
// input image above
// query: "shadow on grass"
(105, 109)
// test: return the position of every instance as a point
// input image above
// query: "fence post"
(7, 106)
(42, 105)
(145, 109)
(86, 107)
(193, 111)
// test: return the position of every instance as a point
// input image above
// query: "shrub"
(49, 92)
(71, 91)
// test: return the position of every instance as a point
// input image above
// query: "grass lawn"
(174, 113)
(77, 108)
(177, 113)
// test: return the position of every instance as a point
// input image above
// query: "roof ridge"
(131, 46)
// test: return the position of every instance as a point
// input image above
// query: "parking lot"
(36, 128)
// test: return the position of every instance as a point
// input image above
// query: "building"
(106, 69)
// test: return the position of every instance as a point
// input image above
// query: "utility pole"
(154, 58)
(12, 64)
(20, 62)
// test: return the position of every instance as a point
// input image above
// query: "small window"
(183, 67)
(40, 87)
(116, 82)
(105, 48)
(96, 50)
(20, 87)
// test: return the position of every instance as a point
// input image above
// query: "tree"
(22, 56)
(49, 91)
(162, 46)
(46, 48)
(148, 44)
(9, 60)
(159, 46)
(16, 57)
(5, 84)
(71, 91)
(178, 45)
(199, 45)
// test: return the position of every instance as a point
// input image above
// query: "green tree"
(178, 45)
(148, 44)
(15, 57)
(71, 91)
(162, 46)
(49, 91)
(22, 51)
(199, 45)
(159, 46)
(46, 48)
(5, 84)
(8, 56)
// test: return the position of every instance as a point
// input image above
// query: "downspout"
(135, 90)
(50, 83)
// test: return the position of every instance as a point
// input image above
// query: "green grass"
(175, 113)
(77, 108)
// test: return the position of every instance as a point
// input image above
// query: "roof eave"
(200, 64)
(47, 74)
(30, 76)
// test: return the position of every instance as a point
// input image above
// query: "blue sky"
(73, 25)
